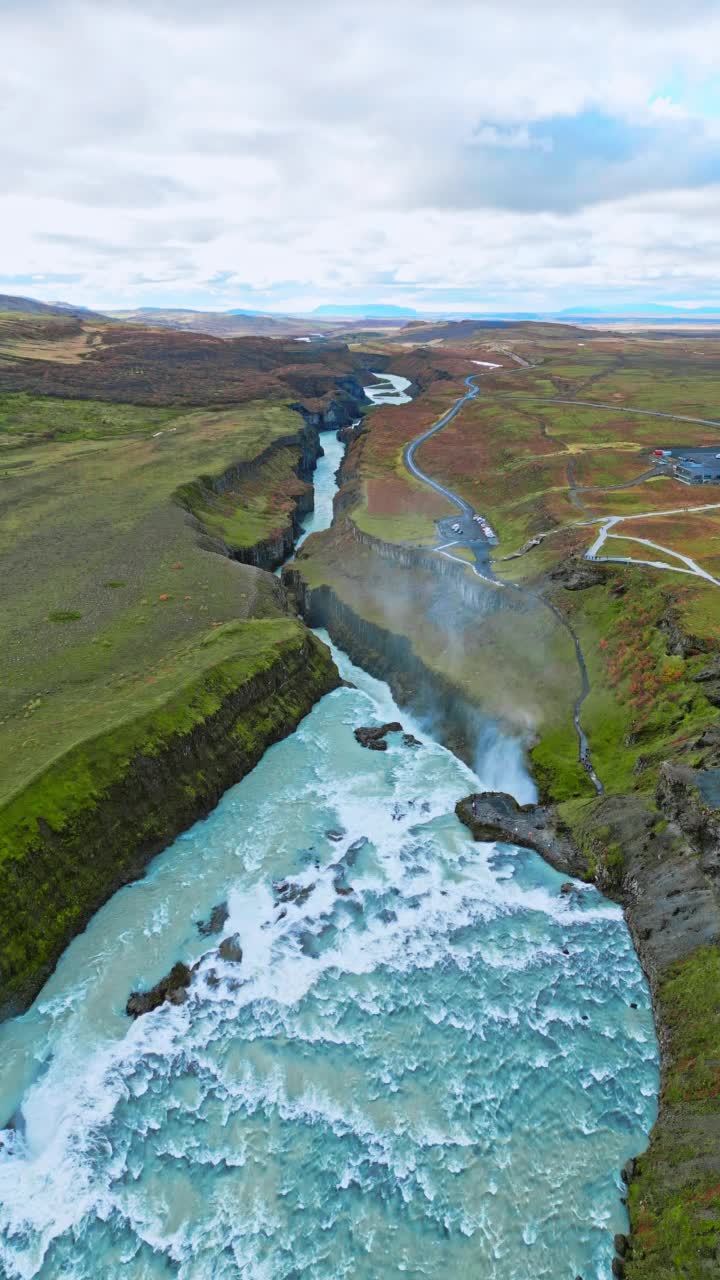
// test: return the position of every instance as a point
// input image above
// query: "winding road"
(411, 449)
(489, 576)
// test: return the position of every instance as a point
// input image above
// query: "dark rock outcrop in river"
(215, 921)
(374, 737)
(350, 856)
(495, 815)
(230, 949)
(290, 891)
(171, 989)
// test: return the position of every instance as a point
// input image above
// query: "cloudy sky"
(482, 154)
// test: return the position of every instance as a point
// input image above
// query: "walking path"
(609, 522)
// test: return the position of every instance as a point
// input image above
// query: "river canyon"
(429, 1058)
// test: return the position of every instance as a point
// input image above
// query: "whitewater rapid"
(390, 388)
(430, 1062)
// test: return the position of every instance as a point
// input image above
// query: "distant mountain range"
(637, 311)
(30, 306)
(340, 319)
(370, 309)
(219, 324)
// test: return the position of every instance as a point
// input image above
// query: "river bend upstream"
(430, 1062)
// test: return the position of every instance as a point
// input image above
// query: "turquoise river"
(430, 1064)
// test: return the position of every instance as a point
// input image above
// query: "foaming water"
(427, 1063)
(500, 762)
(390, 388)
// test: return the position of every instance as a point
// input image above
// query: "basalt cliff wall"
(432, 696)
(61, 859)
(302, 448)
(148, 782)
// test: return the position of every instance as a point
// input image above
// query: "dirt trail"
(576, 489)
(573, 489)
(616, 408)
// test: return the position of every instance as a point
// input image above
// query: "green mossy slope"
(90, 822)
(675, 1194)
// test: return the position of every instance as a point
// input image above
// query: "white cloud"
(409, 151)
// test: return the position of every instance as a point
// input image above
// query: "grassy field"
(141, 672)
(676, 376)
(256, 510)
(535, 468)
(694, 535)
(562, 543)
(38, 418)
(399, 508)
(643, 702)
(387, 501)
(545, 469)
(90, 820)
(147, 711)
(532, 467)
(109, 600)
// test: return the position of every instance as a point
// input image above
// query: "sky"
(488, 155)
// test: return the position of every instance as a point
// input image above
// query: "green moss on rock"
(91, 821)
(675, 1197)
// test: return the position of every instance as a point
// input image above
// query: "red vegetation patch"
(677, 531)
(709, 1194)
(390, 495)
(636, 667)
(155, 367)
